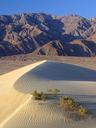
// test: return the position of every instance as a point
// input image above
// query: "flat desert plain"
(19, 110)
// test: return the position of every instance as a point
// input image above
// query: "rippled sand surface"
(47, 115)
(72, 80)
(10, 98)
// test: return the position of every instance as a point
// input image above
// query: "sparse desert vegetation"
(46, 110)
(57, 86)
(54, 91)
(66, 103)
(69, 104)
(83, 112)
(39, 96)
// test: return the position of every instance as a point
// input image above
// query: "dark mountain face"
(47, 35)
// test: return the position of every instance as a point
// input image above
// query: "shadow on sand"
(53, 71)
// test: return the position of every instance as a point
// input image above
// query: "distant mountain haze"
(43, 34)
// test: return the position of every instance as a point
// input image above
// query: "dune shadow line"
(53, 71)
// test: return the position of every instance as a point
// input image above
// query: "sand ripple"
(35, 115)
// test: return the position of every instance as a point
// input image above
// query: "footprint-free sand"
(10, 98)
(16, 87)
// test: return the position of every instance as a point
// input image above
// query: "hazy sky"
(86, 8)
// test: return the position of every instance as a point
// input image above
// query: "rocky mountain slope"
(47, 35)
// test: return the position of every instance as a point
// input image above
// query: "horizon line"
(71, 14)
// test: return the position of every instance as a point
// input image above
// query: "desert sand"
(35, 115)
(10, 98)
(72, 80)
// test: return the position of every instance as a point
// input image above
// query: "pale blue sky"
(86, 8)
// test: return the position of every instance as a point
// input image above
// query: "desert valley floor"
(18, 110)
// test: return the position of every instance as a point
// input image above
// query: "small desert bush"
(82, 111)
(54, 91)
(39, 96)
(69, 104)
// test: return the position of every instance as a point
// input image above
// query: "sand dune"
(34, 115)
(72, 80)
(10, 98)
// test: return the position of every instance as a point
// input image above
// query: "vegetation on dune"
(39, 96)
(43, 96)
(83, 111)
(54, 91)
(68, 104)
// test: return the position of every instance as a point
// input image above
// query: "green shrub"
(39, 96)
(68, 103)
(54, 91)
(83, 111)
(35, 93)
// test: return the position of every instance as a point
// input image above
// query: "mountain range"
(43, 34)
